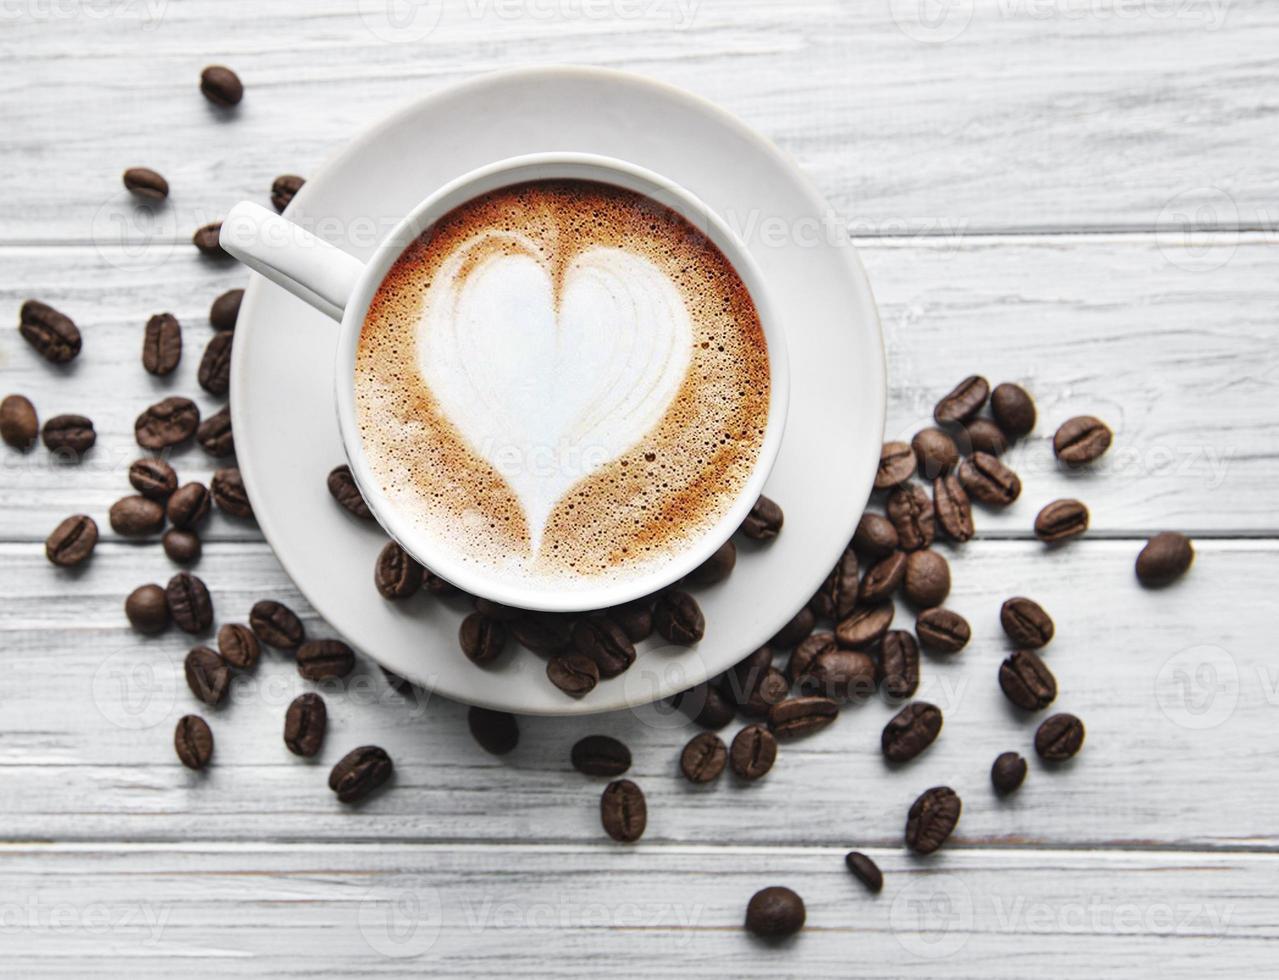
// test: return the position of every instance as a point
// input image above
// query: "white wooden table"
(1018, 175)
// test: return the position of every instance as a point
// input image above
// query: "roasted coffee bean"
(896, 465)
(573, 674)
(482, 639)
(167, 423)
(136, 516)
(764, 522)
(1059, 738)
(221, 86)
(497, 732)
(1026, 623)
(773, 689)
(706, 705)
(951, 507)
(775, 913)
(716, 568)
(875, 536)
(865, 870)
(635, 618)
(1060, 520)
(942, 630)
(1008, 771)
(189, 603)
(305, 723)
(841, 675)
(438, 586)
(744, 677)
(801, 716)
(208, 675)
(276, 625)
(225, 310)
(806, 652)
(360, 772)
(19, 425)
(400, 684)
(68, 435)
(215, 436)
(495, 610)
(932, 818)
(1081, 440)
(600, 755)
(678, 618)
(153, 478)
(215, 366)
(927, 581)
(162, 344)
(545, 633)
(238, 646)
(623, 811)
(397, 575)
(883, 578)
(703, 758)
(283, 190)
(72, 541)
(320, 660)
(53, 334)
(182, 547)
(838, 594)
(911, 512)
(1013, 409)
(899, 665)
(146, 183)
(598, 637)
(229, 493)
(193, 741)
(188, 506)
(799, 626)
(208, 241)
(910, 731)
(935, 453)
(983, 436)
(986, 479)
(865, 627)
(342, 488)
(147, 609)
(964, 402)
(753, 753)
(1164, 559)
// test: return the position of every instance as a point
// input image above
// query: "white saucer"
(286, 430)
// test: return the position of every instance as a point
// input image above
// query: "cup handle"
(290, 256)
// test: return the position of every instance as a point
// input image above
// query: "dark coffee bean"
(19, 425)
(283, 190)
(342, 488)
(482, 639)
(799, 626)
(875, 536)
(911, 512)
(360, 772)
(986, 479)
(193, 741)
(221, 86)
(838, 594)
(802, 716)
(865, 870)
(983, 436)
(716, 568)
(136, 516)
(495, 610)
(436, 585)
(238, 646)
(68, 435)
(208, 241)
(896, 465)
(72, 541)
(775, 913)
(320, 660)
(225, 310)
(935, 453)
(883, 578)
(305, 723)
(162, 344)
(167, 423)
(744, 677)
(600, 755)
(706, 705)
(927, 581)
(1059, 738)
(215, 366)
(678, 618)
(753, 753)
(635, 619)
(146, 183)
(942, 630)
(910, 731)
(865, 627)
(964, 402)
(841, 675)
(497, 732)
(545, 633)
(153, 478)
(807, 652)
(147, 609)
(773, 689)
(188, 506)
(1081, 440)
(208, 675)
(397, 575)
(932, 818)
(215, 436)
(182, 547)
(1013, 409)
(53, 334)
(189, 603)
(703, 758)
(1164, 559)
(276, 625)
(1060, 520)
(1008, 771)
(573, 674)
(623, 811)
(598, 637)
(764, 522)
(899, 665)
(953, 511)
(230, 494)
(1026, 623)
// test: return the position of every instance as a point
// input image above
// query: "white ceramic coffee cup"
(342, 286)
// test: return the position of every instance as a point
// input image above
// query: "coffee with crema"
(562, 382)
